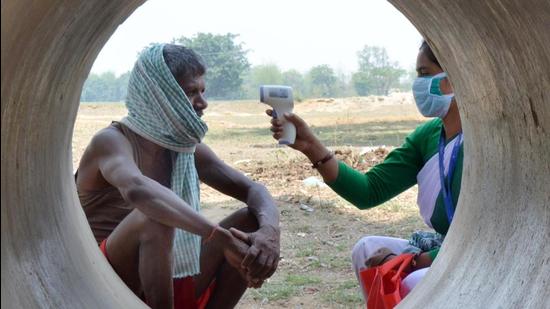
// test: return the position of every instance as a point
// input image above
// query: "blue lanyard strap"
(446, 184)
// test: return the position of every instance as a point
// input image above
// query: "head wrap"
(159, 111)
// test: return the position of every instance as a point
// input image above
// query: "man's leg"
(230, 286)
(140, 251)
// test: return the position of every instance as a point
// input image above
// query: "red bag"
(382, 283)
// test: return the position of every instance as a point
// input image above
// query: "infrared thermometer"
(280, 99)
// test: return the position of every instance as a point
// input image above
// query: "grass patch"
(302, 280)
(305, 252)
(346, 294)
(291, 286)
(340, 263)
(273, 292)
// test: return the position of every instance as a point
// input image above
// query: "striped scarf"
(426, 241)
(159, 111)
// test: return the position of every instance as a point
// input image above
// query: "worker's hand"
(421, 260)
(234, 251)
(305, 139)
(262, 257)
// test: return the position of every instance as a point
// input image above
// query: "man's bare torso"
(153, 161)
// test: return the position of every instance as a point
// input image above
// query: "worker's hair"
(183, 62)
(429, 53)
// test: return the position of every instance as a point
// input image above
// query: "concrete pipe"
(497, 54)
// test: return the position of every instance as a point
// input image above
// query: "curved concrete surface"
(497, 54)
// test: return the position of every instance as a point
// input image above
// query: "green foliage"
(407, 79)
(105, 87)
(322, 81)
(271, 74)
(361, 82)
(265, 74)
(268, 74)
(377, 74)
(229, 74)
(295, 80)
(344, 87)
(225, 59)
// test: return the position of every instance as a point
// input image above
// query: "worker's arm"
(113, 154)
(263, 255)
(364, 190)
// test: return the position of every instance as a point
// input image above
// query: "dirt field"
(318, 228)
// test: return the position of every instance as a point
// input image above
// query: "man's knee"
(152, 231)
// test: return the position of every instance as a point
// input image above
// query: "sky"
(293, 34)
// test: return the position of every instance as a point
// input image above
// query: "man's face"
(194, 88)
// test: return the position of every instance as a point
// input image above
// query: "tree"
(122, 86)
(99, 87)
(225, 59)
(322, 81)
(264, 74)
(295, 80)
(377, 74)
(105, 87)
(406, 81)
(362, 83)
(344, 87)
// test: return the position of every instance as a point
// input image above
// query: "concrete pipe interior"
(496, 52)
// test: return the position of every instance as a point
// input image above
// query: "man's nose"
(202, 102)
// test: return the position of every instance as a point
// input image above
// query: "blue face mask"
(428, 97)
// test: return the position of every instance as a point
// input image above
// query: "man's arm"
(111, 154)
(225, 179)
(263, 254)
(115, 162)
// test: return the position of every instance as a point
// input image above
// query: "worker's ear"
(240, 235)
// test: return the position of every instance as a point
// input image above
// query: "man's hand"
(307, 143)
(234, 251)
(262, 257)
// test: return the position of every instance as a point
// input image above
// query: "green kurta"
(399, 171)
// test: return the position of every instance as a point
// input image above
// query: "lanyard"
(446, 185)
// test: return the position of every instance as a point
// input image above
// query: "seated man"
(138, 182)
